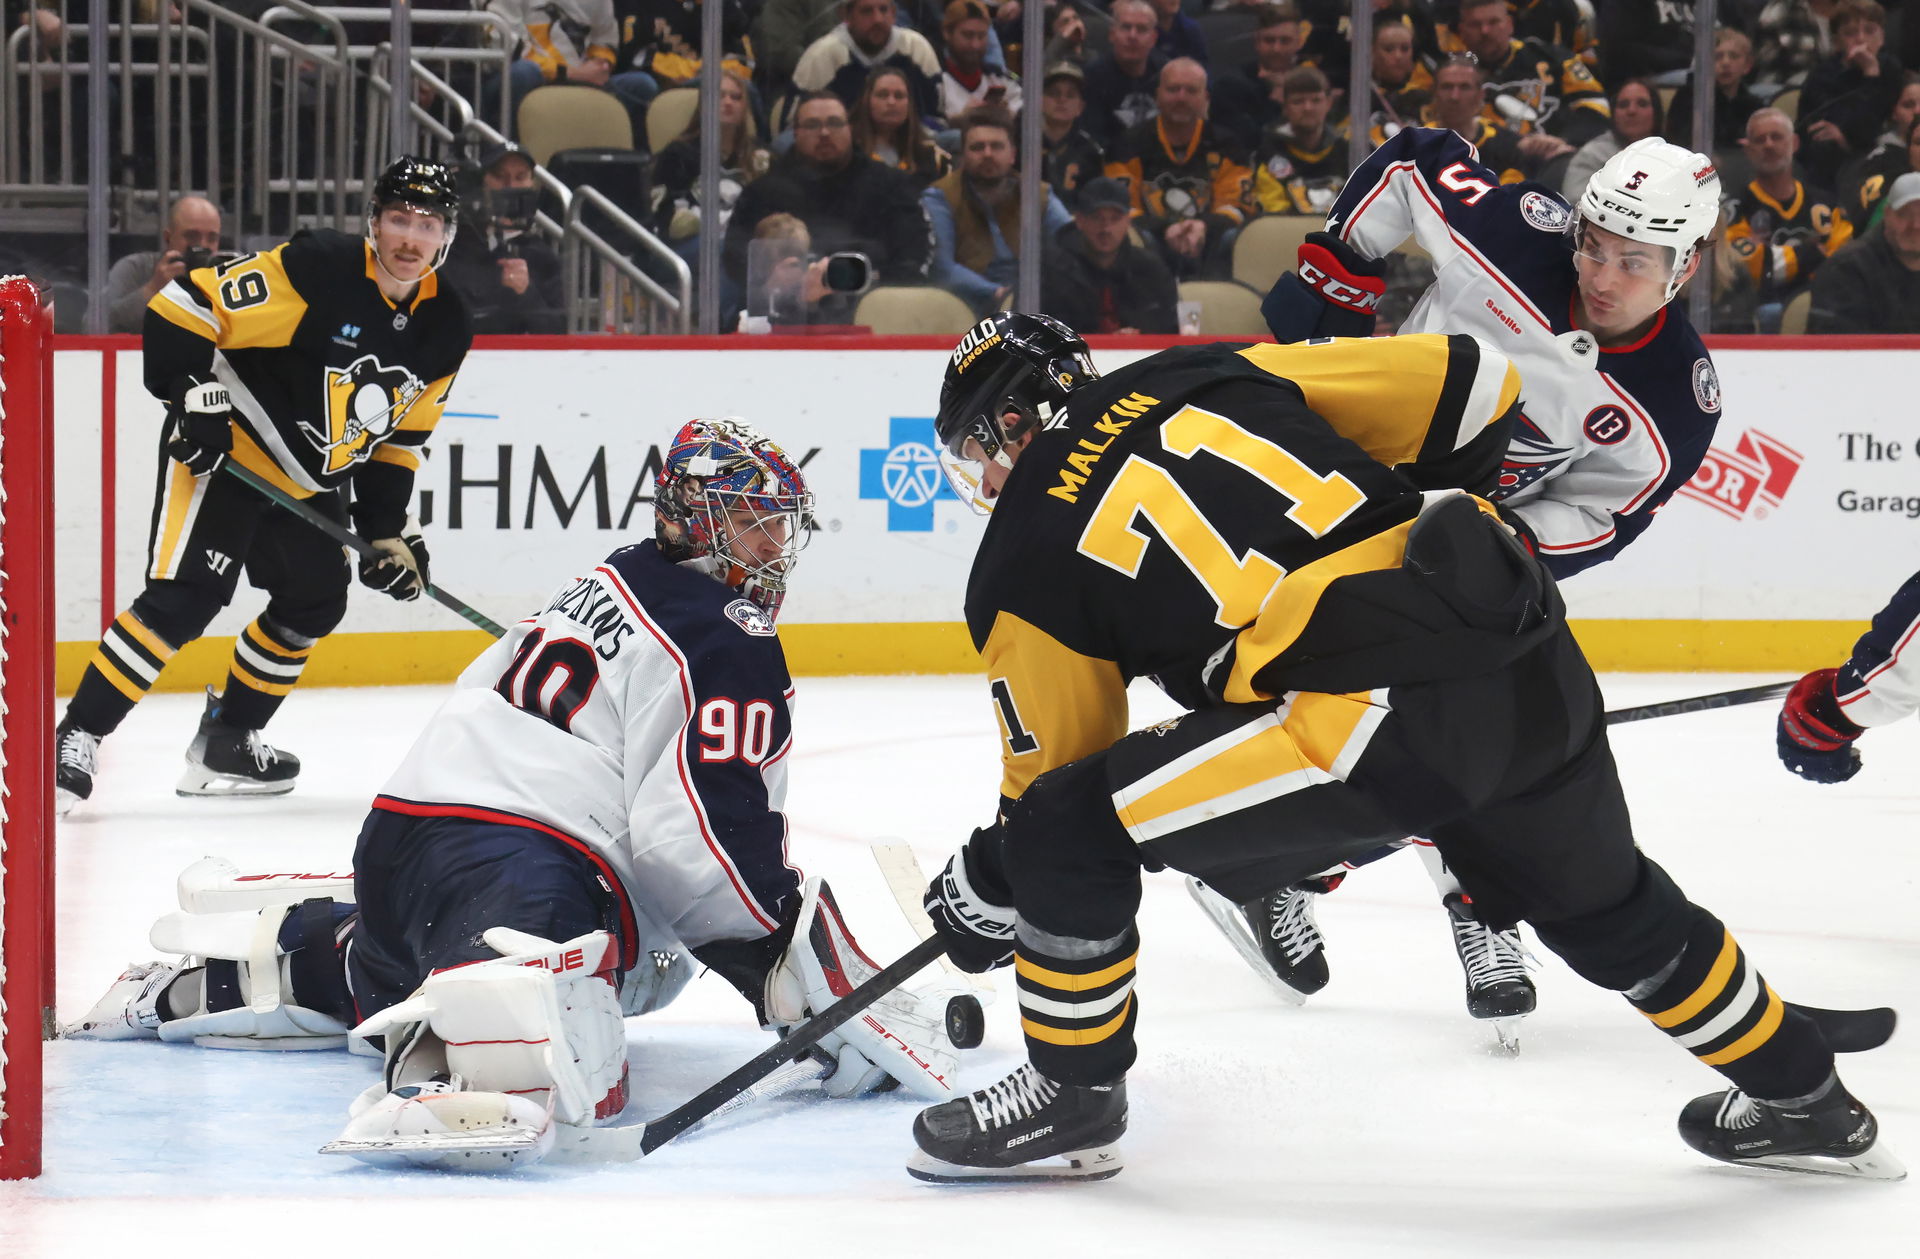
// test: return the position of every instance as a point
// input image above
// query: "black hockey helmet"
(1009, 362)
(417, 182)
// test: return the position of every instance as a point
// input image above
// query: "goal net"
(26, 725)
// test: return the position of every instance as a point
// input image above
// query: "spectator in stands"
(866, 38)
(1733, 101)
(1402, 84)
(1069, 155)
(1873, 285)
(1097, 280)
(1883, 171)
(1300, 165)
(975, 213)
(576, 42)
(1636, 115)
(1849, 96)
(1189, 182)
(1326, 44)
(660, 39)
(788, 284)
(848, 201)
(509, 277)
(678, 214)
(1535, 86)
(1459, 99)
(1780, 229)
(887, 129)
(1121, 81)
(1180, 35)
(1794, 36)
(1253, 97)
(1643, 38)
(1066, 33)
(191, 238)
(966, 80)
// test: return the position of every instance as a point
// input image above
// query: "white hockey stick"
(908, 883)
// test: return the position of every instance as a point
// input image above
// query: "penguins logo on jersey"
(366, 400)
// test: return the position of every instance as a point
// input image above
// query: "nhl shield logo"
(750, 617)
(1706, 386)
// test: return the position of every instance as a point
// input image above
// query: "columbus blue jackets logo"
(366, 400)
(1543, 212)
(1706, 386)
(1531, 456)
(750, 617)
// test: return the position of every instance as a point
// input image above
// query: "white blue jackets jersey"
(1607, 437)
(643, 718)
(1881, 680)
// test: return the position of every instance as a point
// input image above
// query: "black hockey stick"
(354, 542)
(631, 1141)
(1700, 703)
(1851, 1031)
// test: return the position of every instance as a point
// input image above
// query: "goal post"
(26, 717)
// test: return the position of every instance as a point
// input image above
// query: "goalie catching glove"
(1334, 293)
(401, 570)
(901, 1037)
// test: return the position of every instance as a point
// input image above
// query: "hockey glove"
(401, 570)
(969, 903)
(200, 416)
(1815, 738)
(1334, 293)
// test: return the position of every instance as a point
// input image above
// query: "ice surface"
(1374, 1121)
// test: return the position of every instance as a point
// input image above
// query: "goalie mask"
(729, 502)
(428, 190)
(1008, 364)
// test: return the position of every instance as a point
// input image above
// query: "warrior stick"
(1700, 703)
(354, 542)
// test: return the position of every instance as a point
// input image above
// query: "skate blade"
(1875, 1164)
(204, 785)
(1098, 1162)
(1226, 916)
(64, 801)
(1506, 1034)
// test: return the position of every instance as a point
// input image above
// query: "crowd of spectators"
(891, 128)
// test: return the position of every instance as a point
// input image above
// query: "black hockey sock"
(1076, 1004)
(267, 662)
(1715, 1003)
(122, 669)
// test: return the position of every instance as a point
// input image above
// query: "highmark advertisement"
(1807, 508)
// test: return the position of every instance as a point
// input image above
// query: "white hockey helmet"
(1656, 191)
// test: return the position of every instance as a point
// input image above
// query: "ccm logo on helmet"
(1338, 290)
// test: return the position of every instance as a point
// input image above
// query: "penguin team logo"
(366, 400)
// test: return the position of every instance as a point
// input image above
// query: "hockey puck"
(966, 1022)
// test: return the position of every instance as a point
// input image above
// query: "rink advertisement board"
(1802, 520)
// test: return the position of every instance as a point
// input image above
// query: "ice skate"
(1495, 963)
(130, 1010)
(1026, 1127)
(1276, 935)
(74, 755)
(1830, 1135)
(225, 760)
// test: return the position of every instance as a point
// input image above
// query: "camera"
(200, 256)
(850, 273)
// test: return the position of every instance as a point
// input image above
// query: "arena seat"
(1227, 309)
(1793, 320)
(668, 115)
(570, 116)
(1268, 246)
(914, 310)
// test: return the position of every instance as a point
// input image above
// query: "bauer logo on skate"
(1749, 480)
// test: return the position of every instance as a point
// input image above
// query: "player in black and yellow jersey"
(320, 365)
(1282, 538)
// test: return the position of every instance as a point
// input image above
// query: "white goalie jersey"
(642, 718)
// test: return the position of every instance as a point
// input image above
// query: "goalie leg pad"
(272, 977)
(902, 1035)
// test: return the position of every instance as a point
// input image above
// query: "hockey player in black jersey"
(320, 365)
(1282, 537)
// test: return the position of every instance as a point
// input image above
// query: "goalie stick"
(354, 542)
(771, 1072)
(1701, 703)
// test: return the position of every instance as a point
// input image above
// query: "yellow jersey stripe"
(1071, 705)
(1082, 1036)
(399, 456)
(1712, 986)
(182, 488)
(132, 628)
(174, 305)
(1064, 982)
(247, 453)
(254, 681)
(121, 682)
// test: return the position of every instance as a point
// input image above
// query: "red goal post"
(26, 717)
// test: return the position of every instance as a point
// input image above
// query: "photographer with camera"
(191, 239)
(848, 202)
(509, 277)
